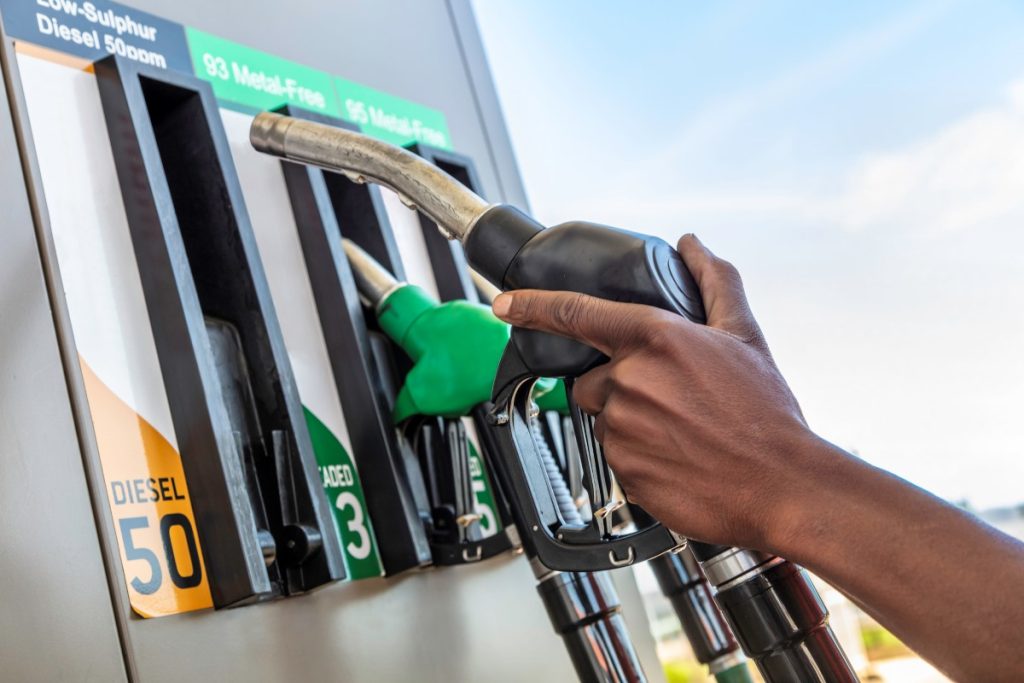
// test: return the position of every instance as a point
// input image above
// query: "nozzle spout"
(487, 290)
(454, 207)
(373, 280)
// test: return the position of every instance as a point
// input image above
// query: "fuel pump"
(326, 206)
(773, 609)
(456, 347)
(265, 525)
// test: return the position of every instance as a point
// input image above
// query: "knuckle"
(616, 415)
(628, 387)
(725, 267)
(625, 466)
(661, 331)
(586, 397)
(618, 377)
(727, 272)
(568, 311)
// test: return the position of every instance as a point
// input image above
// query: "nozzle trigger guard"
(538, 500)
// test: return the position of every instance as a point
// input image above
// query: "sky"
(862, 164)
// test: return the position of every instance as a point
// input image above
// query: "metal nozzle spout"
(373, 281)
(488, 291)
(446, 201)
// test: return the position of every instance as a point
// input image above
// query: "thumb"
(725, 301)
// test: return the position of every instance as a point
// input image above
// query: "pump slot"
(233, 400)
(325, 206)
(451, 271)
(451, 275)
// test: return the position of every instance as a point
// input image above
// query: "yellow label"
(148, 497)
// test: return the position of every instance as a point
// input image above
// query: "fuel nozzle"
(509, 248)
(455, 346)
(421, 185)
(373, 281)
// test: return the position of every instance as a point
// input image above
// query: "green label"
(256, 79)
(391, 118)
(345, 494)
(490, 523)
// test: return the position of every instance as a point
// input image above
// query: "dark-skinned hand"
(696, 421)
(702, 431)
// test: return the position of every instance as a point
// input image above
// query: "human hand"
(696, 421)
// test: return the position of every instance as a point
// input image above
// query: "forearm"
(703, 411)
(949, 586)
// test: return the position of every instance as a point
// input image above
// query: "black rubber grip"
(782, 624)
(496, 238)
(682, 582)
(584, 609)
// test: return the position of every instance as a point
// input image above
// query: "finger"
(590, 390)
(600, 427)
(721, 287)
(605, 325)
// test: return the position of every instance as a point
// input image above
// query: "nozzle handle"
(514, 252)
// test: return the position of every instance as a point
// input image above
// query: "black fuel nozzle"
(513, 251)
(499, 239)
(771, 605)
(455, 525)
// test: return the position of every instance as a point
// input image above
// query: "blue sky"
(861, 163)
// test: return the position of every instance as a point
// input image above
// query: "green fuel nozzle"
(455, 346)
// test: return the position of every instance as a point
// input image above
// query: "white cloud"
(892, 302)
(968, 175)
(709, 126)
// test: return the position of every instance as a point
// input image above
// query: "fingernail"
(501, 305)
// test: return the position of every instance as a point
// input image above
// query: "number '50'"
(156, 577)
